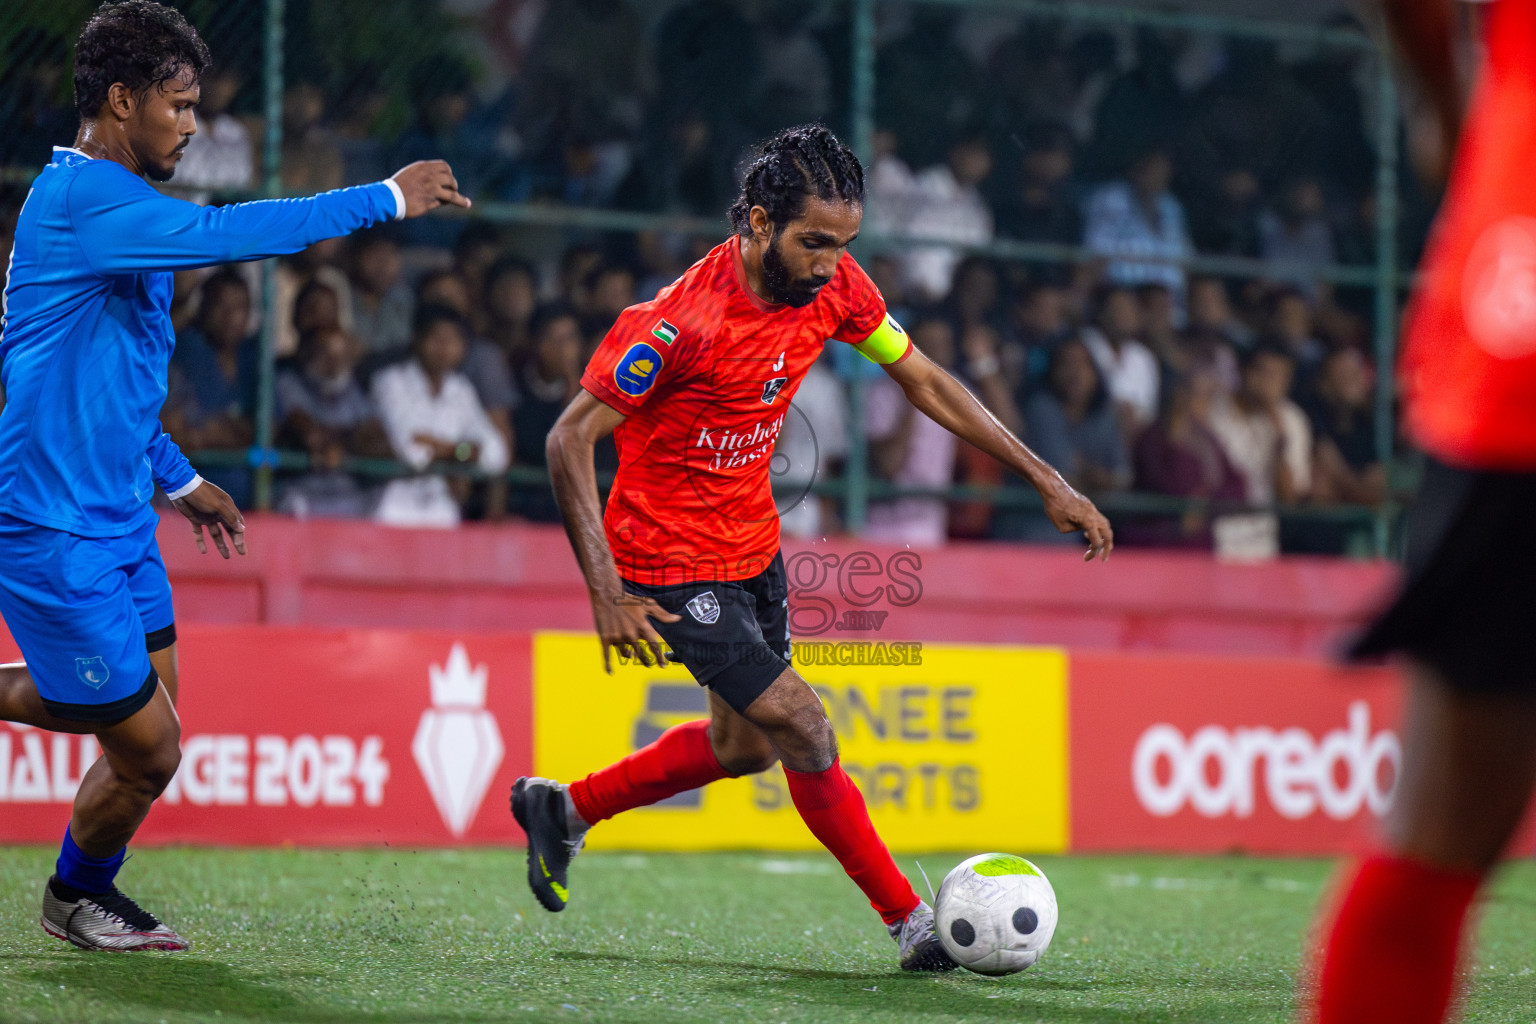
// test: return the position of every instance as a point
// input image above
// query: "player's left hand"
(427, 185)
(209, 506)
(1068, 511)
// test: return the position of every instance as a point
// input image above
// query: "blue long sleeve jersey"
(87, 334)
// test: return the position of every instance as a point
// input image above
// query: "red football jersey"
(705, 373)
(1469, 357)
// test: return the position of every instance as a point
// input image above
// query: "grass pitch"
(399, 936)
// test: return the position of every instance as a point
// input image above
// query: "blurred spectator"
(1252, 115)
(794, 76)
(321, 409)
(1159, 332)
(1263, 432)
(982, 373)
(579, 110)
(1037, 323)
(975, 296)
(889, 186)
(910, 450)
(1290, 329)
(1224, 218)
(1129, 367)
(511, 295)
(1141, 106)
(312, 160)
(1210, 310)
(320, 262)
(1071, 422)
(381, 300)
(946, 205)
(610, 290)
(813, 443)
(1044, 205)
(576, 265)
(1138, 216)
(483, 363)
(929, 86)
(662, 261)
(432, 416)
(1179, 455)
(476, 250)
(1296, 230)
(220, 155)
(444, 128)
(212, 395)
(317, 307)
(547, 381)
(1345, 464)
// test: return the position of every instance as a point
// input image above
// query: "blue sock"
(88, 874)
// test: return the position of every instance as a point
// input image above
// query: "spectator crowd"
(451, 347)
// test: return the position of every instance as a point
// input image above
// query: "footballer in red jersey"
(695, 386)
(1463, 617)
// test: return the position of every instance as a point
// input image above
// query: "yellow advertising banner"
(954, 748)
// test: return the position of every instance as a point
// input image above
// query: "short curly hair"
(791, 167)
(137, 42)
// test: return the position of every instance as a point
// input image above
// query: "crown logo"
(458, 684)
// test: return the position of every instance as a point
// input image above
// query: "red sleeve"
(633, 360)
(866, 306)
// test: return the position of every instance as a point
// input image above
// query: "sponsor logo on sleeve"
(638, 369)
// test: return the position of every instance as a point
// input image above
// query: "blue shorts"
(86, 612)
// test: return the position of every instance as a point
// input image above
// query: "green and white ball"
(995, 913)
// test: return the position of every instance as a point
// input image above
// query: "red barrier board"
(315, 737)
(1213, 754)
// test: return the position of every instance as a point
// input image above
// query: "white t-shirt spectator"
(1131, 375)
(219, 156)
(1253, 442)
(1117, 227)
(815, 433)
(940, 208)
(930, 462)
(407, 407)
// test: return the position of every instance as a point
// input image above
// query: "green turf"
(386, 936)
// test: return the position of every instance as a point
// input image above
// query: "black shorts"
(1467, 606)
(733, 635)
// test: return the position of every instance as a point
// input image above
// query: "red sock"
(681, 759)
(1390, 956)
(833, 809)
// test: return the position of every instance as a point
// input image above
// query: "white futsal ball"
(995, 913)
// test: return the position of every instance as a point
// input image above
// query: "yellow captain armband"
(888, 344)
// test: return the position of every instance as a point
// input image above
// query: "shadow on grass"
(186, 984)
(917, 992)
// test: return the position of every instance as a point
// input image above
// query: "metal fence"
(375, 59)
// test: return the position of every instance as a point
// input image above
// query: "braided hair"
(790, 168)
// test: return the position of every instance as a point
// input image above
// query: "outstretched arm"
(622, 620)
(134, 229)
(945, 401)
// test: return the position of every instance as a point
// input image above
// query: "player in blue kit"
(86, 343)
